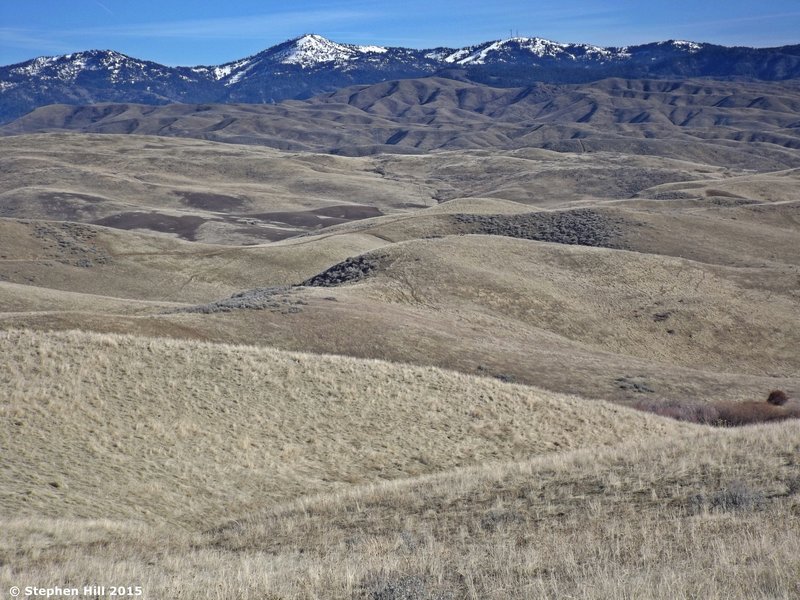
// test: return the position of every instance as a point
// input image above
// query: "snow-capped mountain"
(310, 50)
(312, 64)
(522, 48)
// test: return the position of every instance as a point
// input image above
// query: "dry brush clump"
(778, 407)
(583, 226)
(692, 412)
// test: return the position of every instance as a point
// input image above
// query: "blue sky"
(183, 32)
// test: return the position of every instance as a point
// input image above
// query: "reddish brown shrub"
(729, 414)
(745, 413)
(693, 412)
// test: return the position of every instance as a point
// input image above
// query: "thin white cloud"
(748, 19)
(24, 38)
(104, 7)
(743, 30)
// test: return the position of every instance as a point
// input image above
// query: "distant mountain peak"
(511, 48)
(311, 49)
(686, 45)
(68, 66)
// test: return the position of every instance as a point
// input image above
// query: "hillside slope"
(708, 121)
(122, 427)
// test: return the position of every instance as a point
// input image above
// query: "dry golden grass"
(102, 426)
(566, 318)
(707, 514)
(208, 471)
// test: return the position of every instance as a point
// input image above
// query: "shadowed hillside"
(411, 116)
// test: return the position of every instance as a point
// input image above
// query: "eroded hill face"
(704, 121)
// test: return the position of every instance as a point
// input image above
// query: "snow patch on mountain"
(690, 47)
(224, 71)
(438, 55)
(502, 50)
(68, 67)
(311, 50)
(35, 67)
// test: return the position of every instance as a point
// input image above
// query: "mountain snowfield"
(311, 50)
(312, 64)
(501, 51)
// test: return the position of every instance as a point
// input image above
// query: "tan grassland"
(198, 485)
(128, 427)
(675, 511)
(452, 421)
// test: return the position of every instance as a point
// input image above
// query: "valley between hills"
(418, 339)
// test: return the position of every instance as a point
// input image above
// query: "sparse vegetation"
(729, 414)
(278, 298)
(350, 270)
(583, 227)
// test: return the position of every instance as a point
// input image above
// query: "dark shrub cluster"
(347, 271)
(582, 227)
(777, 397)
(401, 587)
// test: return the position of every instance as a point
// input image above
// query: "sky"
(203, 32)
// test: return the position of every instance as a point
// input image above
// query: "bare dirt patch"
(211, 201)
(348, 212)
(184, 226)
(270, 234)
(304, 219)
(319, 217)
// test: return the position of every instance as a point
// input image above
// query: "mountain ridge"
(311, 64)
(713, 122)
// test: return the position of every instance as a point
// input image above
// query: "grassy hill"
(205, 470)
(108, 426)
